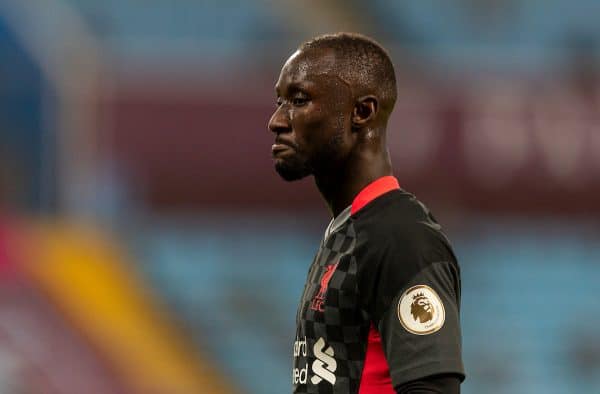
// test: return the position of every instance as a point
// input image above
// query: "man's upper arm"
(413, 298)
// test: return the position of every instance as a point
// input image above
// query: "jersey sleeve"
(412, 294)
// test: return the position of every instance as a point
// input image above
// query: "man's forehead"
(303, 64)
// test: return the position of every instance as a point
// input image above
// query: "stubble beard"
(293, 169)
(301, 165)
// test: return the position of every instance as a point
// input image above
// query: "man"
(380, 308)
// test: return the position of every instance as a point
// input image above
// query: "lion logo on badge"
(421, 308)
(421, 311)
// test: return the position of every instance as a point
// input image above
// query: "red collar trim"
(372, 191)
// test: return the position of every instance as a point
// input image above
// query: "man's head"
(334, 95)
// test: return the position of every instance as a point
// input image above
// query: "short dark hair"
(365, 64)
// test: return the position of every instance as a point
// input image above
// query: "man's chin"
(290, 174)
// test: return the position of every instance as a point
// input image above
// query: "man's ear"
(364, 111)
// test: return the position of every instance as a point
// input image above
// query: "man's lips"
(279, 148)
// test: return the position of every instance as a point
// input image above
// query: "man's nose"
(280, 121)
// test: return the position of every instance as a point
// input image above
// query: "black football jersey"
(381, 302)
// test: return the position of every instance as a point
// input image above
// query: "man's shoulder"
(398, 220)
(398, 213)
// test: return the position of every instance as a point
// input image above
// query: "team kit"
(380, 305)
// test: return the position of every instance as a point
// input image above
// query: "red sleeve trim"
(375, 377)
(372, 191)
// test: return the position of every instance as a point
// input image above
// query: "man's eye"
(299, 101)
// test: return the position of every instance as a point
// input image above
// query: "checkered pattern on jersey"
(340, 322)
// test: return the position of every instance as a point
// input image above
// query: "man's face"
(312, 122)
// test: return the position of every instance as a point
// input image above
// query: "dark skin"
(325, 127)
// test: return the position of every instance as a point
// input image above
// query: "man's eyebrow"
(295, 86)
(292, 87)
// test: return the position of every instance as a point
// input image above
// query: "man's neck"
(339, 187)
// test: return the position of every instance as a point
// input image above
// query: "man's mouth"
(278, 149)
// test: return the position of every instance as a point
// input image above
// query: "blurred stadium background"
(146, 245)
